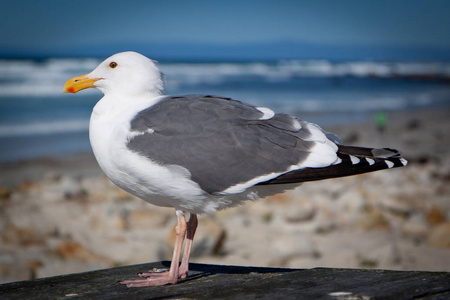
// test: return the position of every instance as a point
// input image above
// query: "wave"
(365, 105)
(214, 73)
(43, 128)
(46, 78)
(31, 78)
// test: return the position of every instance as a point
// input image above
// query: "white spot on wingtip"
(370, 161)
(354, 160)
(267, 113)
(403, 161)
(337, 161)
(390, 164)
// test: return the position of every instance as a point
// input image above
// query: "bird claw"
(155, 281)
(156, 278)
(153, 274)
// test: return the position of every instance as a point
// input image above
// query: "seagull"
(203, 153)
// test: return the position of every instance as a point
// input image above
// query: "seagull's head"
(125, 73)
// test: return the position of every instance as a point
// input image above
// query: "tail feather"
(352, 161)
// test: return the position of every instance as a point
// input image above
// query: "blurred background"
(375, 72)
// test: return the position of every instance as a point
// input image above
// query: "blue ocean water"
(37, 120)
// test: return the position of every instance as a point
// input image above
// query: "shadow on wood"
(234, 282)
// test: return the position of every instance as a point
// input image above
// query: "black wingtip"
(352, 161)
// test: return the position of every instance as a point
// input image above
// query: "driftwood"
(234, 282)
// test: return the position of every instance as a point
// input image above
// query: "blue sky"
(36, 24)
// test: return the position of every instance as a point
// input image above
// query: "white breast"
(109, 132)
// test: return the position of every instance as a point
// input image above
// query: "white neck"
(110, 122)
(111, 105)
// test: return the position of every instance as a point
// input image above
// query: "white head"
(125, 73)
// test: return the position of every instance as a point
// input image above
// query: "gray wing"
(222, 142)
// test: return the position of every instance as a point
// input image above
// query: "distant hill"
(240, 52)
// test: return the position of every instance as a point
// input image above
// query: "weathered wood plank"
(234, 282)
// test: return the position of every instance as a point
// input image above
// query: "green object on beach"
(381, 120)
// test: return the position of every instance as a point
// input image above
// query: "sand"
(61, 215)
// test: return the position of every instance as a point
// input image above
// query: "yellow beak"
(79, 83)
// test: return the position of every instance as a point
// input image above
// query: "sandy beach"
(61, 215)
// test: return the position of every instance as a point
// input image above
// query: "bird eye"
(112, 65)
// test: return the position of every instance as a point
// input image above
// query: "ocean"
(38, 120)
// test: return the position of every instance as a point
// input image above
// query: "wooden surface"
(233, 282)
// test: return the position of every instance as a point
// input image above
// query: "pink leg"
(191, 228)
(172, 276)
(184, 267)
